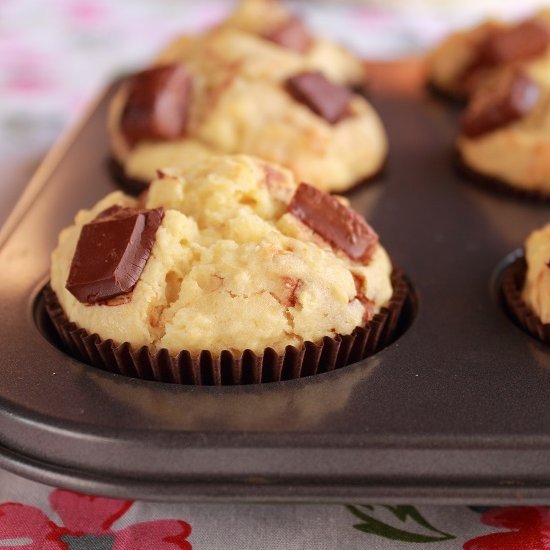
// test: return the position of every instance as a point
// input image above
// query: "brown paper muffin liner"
(131, 186)
(513, 280)
(228, 368)
(454, 99)
(496, 185)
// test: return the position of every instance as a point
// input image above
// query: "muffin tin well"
(510, 283)
(330, 354)
(455, 410)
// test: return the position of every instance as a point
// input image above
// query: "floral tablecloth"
(33, 516)
(54, 57)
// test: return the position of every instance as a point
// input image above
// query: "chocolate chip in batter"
(330, 101)
(505, 101)
(111, 253)
(157, 105)
(339, 225)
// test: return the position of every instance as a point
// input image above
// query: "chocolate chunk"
(337, 224)
(501, 46)
(322, 96)
(467, 79)
(367, 303)
(508, 99)
(518, 43)
(292, 34)
(111, 253)
(158, 104)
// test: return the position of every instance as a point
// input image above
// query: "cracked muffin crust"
(234, 265)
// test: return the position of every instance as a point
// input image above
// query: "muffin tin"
(455, 410)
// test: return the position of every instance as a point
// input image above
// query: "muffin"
(173, 115)
(227, 259)
(504, 137)
(466, 59)
(526, 286)
(280, 37)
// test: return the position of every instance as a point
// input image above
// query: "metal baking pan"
(457, 410)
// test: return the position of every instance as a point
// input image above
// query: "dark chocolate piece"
(508, 99)
(328, 100)
(111, 252)
(336, 223)
(367, 303)
(158, 104)
(518, 43)
(467, 80)
(292, 34)
(502, 46)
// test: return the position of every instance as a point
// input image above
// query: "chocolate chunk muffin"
(505, 134)
(173, 115)
(526, 286)
(536, 291)
(224, 256)
(259, 84)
